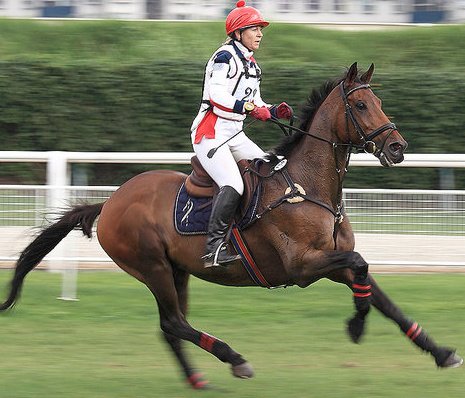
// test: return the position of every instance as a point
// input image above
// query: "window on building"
(285, 5)
(312, 5)
(28, 4)
(340, 6)
(368, 6)
(422, 5)
(400, 7)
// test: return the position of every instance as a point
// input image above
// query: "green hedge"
(148, 104)
(149, 107)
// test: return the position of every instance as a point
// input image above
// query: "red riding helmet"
(243, 17)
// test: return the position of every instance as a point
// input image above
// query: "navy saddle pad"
(191, 214)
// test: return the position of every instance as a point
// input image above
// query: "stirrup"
(219, 258)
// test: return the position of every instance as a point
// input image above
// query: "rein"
(368, 145)
(284, 126)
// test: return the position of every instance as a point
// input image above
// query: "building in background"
(307, 11)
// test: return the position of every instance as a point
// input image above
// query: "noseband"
(369, 145)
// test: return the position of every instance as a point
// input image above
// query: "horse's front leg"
(444, 357)
(319, 264)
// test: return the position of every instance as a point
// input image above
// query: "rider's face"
(251, 37)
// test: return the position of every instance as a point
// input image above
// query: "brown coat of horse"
(293, 244)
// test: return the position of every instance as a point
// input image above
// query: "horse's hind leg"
(161, 282)
(181, 279)
(444, 357)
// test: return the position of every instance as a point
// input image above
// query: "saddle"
(200, 185)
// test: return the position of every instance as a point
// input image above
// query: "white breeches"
(222, 166)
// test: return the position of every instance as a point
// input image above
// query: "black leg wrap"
(362, 294)
(443, 356)
(419, 336)
(362, 300)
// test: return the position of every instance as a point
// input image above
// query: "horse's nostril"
(396, 146)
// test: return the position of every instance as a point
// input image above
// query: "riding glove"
(282, 111)
(261, 113)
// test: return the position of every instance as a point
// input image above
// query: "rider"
(231, 90)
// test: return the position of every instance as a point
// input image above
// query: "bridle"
(369, 145)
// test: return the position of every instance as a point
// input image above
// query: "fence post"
(58, 179)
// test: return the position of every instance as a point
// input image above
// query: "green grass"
(398, 221)
(108, 344)
(99, 42)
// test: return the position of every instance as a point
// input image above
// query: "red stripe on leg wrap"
(361, 291)
(417, 333)
(361, 287)
(414, 331)
(362, 294)
(207, 341)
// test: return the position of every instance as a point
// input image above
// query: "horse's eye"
(360, 105)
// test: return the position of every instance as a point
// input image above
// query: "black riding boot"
(223, 211)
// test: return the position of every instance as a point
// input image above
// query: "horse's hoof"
(243, 371)
(451, 361)
(355, 329)
(197, 382)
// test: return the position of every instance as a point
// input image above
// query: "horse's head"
(365, 124)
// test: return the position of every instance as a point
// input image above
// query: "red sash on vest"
(206, 127)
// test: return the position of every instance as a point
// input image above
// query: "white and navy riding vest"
(232, 77)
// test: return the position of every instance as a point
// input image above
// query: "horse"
(300, 233)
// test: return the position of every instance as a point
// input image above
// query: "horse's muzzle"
(393, 152)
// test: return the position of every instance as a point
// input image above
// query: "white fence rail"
(393, 228)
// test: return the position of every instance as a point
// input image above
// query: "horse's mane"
(307, 112)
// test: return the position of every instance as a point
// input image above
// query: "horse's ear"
(351, 74)
(366, 77)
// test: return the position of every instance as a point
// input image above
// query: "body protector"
(232, 78)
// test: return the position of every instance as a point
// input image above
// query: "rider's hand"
(282, 111)
(261, 113)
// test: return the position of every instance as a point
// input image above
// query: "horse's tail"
(79, 217)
